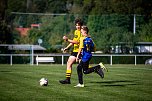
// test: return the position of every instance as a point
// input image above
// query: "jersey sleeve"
(81, 42)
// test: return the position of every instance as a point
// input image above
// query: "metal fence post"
(62, 60)
(135, 60)
(31, 54)
(111, 60)
(11, 59)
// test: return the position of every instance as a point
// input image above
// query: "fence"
(62, 57)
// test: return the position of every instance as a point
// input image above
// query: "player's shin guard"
(68, 75)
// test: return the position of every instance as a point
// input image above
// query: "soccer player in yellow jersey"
(72, 58)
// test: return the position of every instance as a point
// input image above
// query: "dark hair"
(79, 22)
(85, 28)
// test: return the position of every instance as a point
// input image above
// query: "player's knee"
(69, 64)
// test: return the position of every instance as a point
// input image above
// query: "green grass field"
(121, 83)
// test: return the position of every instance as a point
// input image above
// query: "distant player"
(86, 48)
(75, 43)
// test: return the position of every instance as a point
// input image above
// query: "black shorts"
(74, 54)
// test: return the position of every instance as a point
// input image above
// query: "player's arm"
(70, 41)
(73, 41)
(79, 52)
(67, 47)
(80, 49)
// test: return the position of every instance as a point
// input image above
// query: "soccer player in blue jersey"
(86, 48)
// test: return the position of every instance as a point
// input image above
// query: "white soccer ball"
(43, 82)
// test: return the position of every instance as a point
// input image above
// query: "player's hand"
(65, 49)
(77, 59)
(65, 38)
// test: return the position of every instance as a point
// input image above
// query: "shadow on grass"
(120, 83)
(5, 71)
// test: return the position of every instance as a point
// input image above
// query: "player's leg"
(70, 62)
(102, 66)
(80, 75)
(98, 69)
(87, 69)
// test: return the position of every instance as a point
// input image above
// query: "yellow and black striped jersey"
(77, 35)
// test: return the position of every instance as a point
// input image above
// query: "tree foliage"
(109, 21)
(145, 35)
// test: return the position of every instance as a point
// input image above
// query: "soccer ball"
(43, 82)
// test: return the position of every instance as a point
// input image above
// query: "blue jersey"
(88, 48)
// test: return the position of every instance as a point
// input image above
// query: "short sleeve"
(81, 42)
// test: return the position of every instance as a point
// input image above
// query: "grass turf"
(121, 83)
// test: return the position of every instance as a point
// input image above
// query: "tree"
(56, 6)
(5, 30)
(109, 20)
(145, 35)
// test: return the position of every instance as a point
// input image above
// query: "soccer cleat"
(99, 71)
(102, 66)
(79, 85)
(65, 81)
